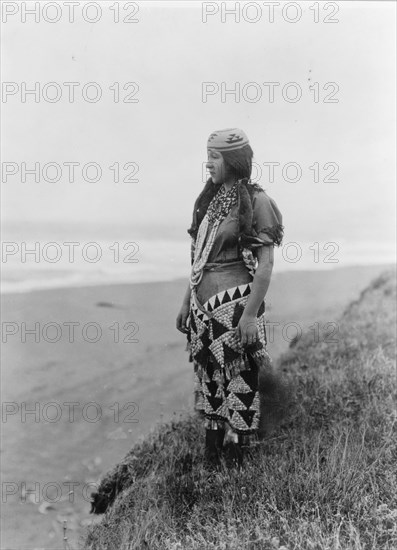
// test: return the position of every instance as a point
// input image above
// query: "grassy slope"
(325, 480)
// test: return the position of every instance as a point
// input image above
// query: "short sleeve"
(267, 219)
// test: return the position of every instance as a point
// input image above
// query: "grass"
(325, 480)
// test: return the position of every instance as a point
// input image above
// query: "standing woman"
(234, 229)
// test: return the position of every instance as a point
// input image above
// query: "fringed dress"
(225, 372)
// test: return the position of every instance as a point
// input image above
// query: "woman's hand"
(181, 320)
(247, 329)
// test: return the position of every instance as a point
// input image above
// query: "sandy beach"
(95, 391)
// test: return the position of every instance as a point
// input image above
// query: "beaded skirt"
(226, 372)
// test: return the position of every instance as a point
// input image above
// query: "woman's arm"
(183, 315)
(247, 328)
(186, 298)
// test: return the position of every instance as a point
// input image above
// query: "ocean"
(38, 256)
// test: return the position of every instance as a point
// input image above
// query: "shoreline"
(99, 284)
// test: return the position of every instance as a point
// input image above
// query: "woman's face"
(216, 166)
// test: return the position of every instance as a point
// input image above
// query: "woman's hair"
(239, 162)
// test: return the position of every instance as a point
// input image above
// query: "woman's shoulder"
(260, 196)
(266, 214)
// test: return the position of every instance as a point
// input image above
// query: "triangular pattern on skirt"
(202, 355)
(225, 316)
(239, 422)
(250, 376)
(218, 328)
(212, 388)
(238, 385)
(246, 398)
(247, 416)
(233, 293)
(215, 402)
(230, 354)
(235, 403)
(237, 313)
(193, 323)
(217, 347)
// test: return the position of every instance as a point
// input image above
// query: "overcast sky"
(169, 53)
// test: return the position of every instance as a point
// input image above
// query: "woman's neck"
(229, 184)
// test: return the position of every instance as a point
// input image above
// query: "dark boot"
(233, 454)
(213, 447)
(233, 451)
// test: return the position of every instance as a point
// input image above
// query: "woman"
(234, 229)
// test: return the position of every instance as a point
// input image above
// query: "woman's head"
(229, 155)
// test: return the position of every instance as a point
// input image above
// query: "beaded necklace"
(218, 209)
(221, 204)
